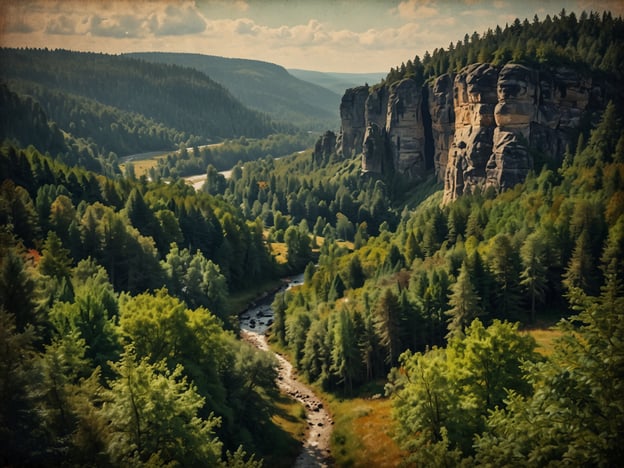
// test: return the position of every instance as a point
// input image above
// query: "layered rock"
(517, 107)
(353, 122)
(375, 151)
(480, 128)
(325, 146)
(474, 99)
(442, 112)
(404, 126)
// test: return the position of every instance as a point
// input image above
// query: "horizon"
(333, 37)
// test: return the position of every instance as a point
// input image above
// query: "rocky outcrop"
(325, 146)
(405, 130)
(474, 99)
(482, 127)
(442, 112)
(517, 107)
(353, 122)
(375, 151)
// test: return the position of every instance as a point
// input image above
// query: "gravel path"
(315, 452)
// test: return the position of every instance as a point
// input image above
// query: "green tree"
(345, 356)
(463, 302)
(17, 288)
(441, 397)
(575, 413)
(504, 264)
(388, 325)
(533, 276)
(153, 416)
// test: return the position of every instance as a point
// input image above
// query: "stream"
(254, 323)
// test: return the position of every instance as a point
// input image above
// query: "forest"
(119, 295)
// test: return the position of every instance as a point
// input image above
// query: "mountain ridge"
(260, 85)
(336, 81)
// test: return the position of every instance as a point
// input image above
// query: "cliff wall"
(482, 127)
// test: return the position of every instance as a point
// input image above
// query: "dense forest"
(263, 86)
(113, 106)
(120, 341)
(592, 42)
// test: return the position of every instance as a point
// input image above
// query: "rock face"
(442, 112)
(481, 128)
(353, 122)
(405, 130)
(474, 99)
(325, 146)
(517, 107)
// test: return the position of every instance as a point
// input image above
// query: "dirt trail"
(315, 452)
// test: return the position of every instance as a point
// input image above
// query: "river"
(254, 323)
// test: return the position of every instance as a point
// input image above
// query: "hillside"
(86, 88)
(263, 86)
(337, 82)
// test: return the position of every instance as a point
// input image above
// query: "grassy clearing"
(362, 430)
(279, 250)
(142, 166)
(545, 338)
(282, 441)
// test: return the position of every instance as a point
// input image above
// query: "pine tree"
(464, 303)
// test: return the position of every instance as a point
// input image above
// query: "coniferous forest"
(120, 295)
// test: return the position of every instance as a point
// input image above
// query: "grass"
(545, 338)
(282, 442)
(362, 429)
(142, 166)
(279, 251)
(236, 303)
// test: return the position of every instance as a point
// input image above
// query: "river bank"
(254, 323)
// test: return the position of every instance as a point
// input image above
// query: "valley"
(227, 262)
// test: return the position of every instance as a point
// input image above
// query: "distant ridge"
(262, 86)
(337, 82)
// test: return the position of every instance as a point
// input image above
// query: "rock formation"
(442, 112)
(481, 128)
(353, 122)
(474, 99)
(324, 147)
(404, 126)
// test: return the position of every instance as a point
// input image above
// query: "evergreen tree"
(464, 303)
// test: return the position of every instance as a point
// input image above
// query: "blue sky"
(323, 35)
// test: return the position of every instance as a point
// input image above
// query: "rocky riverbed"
(315, 451)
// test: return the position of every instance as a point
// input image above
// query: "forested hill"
(264, 86)
(85, 92)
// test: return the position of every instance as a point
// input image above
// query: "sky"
(357, 36)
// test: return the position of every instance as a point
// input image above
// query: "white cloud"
(179, 20)
(62, 24)
(415, 9)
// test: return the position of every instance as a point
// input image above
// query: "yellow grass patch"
(141, 166)
(545, 339)
(279, 251)
(362, 433)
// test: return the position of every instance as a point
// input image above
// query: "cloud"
(616, 7)
(177, 20)
(61, 24)
(246, 26)
(415, 9)
(18, 26)
(117, 26)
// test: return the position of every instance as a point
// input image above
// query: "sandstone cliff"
(480, 128)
